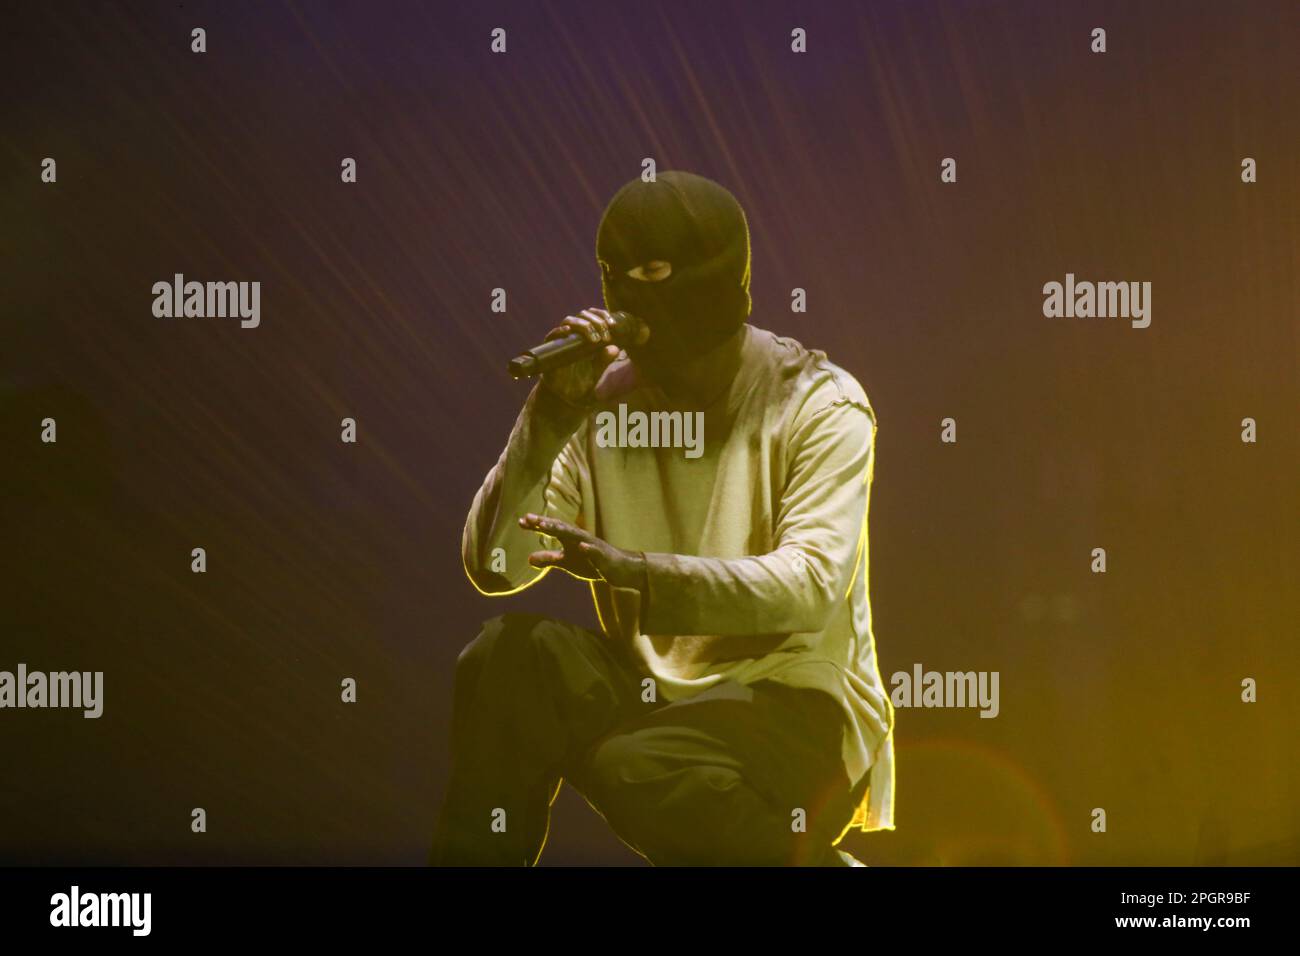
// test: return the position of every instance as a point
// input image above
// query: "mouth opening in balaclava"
(696, 225)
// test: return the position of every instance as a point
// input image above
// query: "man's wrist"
(552, 404)
(551, 420)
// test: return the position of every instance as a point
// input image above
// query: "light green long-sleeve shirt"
(756, 544)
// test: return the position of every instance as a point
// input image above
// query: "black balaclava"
(696, 225)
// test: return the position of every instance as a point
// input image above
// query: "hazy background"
(476, 171)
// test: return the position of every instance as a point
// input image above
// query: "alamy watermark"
(1086, 300)
(74, 908)
(651, 430)
(946, 689)
(35, 689)
(178, 298)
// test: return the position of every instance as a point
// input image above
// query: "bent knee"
(511, 634)
(644, 770)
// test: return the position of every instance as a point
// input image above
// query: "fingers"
(593, 323)
(584, 326)
(545, 559)
(596, 324)
(603, 321)
(608, 355)
(643, 333)
(559, 529)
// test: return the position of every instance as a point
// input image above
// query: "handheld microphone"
(568, 349)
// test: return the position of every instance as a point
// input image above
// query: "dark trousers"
(738, 775)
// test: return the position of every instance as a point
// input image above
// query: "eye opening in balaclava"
(700, 228)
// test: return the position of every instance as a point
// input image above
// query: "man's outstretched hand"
(585, 556)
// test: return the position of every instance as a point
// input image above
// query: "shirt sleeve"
(539, 472)
(819, 533)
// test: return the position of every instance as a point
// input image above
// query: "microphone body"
(568, 349)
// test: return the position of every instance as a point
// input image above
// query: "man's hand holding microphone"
(582, 383)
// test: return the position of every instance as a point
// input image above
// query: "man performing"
(730, 711)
